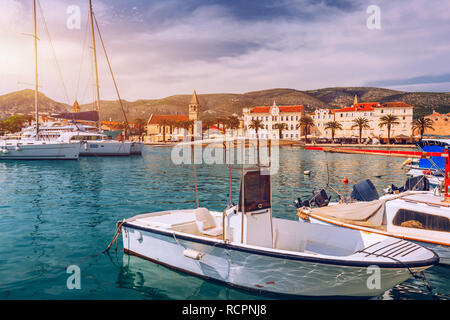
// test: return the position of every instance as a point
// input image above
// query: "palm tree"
(140, 125)
(187, 125)
(233, 122)
(361, 123)
(256, 125)
(163, 123)
(388, 121)
(421, 125)
(306, 123)
(280, 127)
(333, 126)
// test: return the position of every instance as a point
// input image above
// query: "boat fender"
(5, 151)
(193, 254)
(18, 148)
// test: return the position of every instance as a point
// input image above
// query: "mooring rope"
(116, 236)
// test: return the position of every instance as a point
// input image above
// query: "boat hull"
(41, 151)
(441, 250)
(258, 270)
(136, 148)
(104, 148)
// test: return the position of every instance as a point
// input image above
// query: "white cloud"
(212, 50)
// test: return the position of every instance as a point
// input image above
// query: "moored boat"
(419, 216)
(245, 246)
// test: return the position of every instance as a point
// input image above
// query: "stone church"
(169, 127)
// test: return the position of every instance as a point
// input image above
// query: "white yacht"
(35, 148)
(38, 150)
(92, 142)
(97, 144)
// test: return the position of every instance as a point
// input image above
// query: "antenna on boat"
(243, 191)
(36, 72)
(447, 175)
(97, 104)
(195, 175)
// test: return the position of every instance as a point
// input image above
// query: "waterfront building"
(271, 115)
(373, 112)
(441, 124)
(174, 130)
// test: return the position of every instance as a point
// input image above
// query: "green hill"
(229, 103)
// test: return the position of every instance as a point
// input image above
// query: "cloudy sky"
(161, 48)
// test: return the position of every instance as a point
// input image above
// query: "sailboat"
(99, 144)
(244, 246)
(36, 148)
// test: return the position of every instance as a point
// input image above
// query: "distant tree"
(388, 121)
(280, 127)
(140, 124)
(15, 123)
(333, 126)
(360, 123)
(306, 123)
(421, 125)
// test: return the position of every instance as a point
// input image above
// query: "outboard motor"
(320, 198)
(419, 183)
(364, 191)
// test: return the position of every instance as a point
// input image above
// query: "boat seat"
(206, 223)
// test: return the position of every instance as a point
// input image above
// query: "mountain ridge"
(216, 104)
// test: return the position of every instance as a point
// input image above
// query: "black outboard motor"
(320, 198)
(419, 183)
(364, 191)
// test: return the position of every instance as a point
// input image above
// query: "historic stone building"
(441, 124)
(172, 123)
(373, 112)
(290, 115)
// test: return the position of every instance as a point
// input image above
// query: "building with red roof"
(441, 124)
(270, 116)
(373, 112)
(170, 127)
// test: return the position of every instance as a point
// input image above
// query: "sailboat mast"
(97, 103)
(36, 72)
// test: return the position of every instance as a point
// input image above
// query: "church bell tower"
(194, 108)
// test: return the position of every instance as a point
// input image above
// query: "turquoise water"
(60, 213)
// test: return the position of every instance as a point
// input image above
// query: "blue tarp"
(437, 145)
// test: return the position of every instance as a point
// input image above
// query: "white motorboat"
(419, 216)
(245, 246)
(433, 166)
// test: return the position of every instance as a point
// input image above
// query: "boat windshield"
(257, 191)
